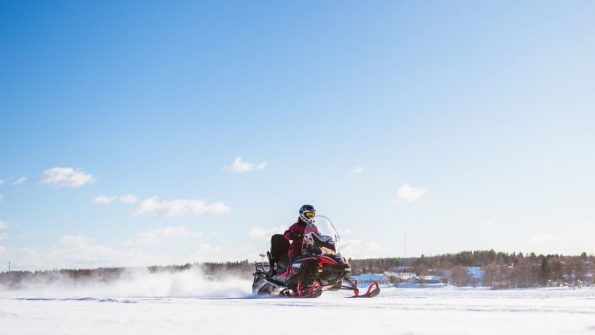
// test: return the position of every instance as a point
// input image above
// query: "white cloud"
(75, 250)
(357, 169)
(19, 181)
(2, 250)
(345, 232)
(103, 200)
(208, 249)
(262, 165)
(544, 238)
(3, 226)
(67, 177)
(32, 258)
(489, 223)
(125, 198)
(155, 237)
(265, 234)
(409, 193)
(179, 207)
(240, 166)
(355, 248)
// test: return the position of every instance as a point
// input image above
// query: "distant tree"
(460, 276)
(421, 270)
(545, 271)
(556, 270)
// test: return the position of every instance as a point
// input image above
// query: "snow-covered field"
(185, 304)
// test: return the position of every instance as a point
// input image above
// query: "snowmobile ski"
(372, 291)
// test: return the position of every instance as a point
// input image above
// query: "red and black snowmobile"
(319, 268)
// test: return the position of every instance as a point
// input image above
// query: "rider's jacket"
(295, 233)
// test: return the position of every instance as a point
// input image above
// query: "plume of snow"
(137, 283)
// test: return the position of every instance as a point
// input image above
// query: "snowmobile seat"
(279, 259)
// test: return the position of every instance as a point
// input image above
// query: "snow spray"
(140, 283)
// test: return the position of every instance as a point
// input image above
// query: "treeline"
(498, 269)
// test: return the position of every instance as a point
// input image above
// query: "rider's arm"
(291, 234)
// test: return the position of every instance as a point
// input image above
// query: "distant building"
(402, 268)
(401, 277)
(367, 278)
(588, 280)
(431, 280)
(476, 275)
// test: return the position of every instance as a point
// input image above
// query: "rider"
(295, 232)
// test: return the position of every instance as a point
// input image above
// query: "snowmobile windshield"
(320, 237)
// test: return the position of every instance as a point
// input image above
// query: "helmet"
(307, 213)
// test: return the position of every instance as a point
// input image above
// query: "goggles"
(309, 214)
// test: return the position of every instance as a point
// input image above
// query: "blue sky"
(464, 125)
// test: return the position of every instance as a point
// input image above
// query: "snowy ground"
(179, 305)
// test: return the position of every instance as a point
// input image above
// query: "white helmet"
(307, 213)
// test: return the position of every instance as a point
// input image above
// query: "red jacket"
(295, 233)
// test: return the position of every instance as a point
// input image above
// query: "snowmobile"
(320, 266)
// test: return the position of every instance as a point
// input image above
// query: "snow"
(185, 303)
